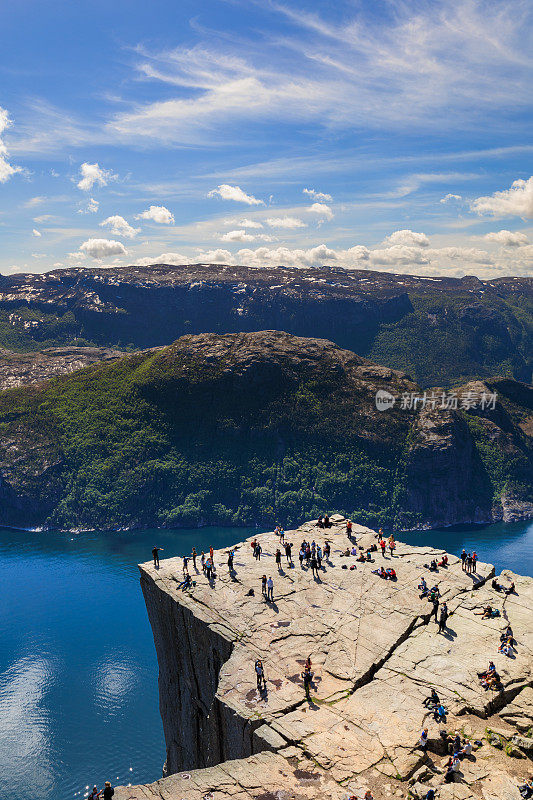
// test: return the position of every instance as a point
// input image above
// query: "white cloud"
(93, 174)
(318, 195)
(6, 169)
(235, 193)
(242, 236)
(285, 222)
(174, 259)
(399, 254)
(218, 256)
(159, 214)
(91, 207)
(424, 66)
(35, 201)
(237, 236)
(101, 248)
(35, 232)
(514, 202)
(322, 209)
(408, 238)
(119, 226)
(508, 238)
(451, 198)
(247, 223)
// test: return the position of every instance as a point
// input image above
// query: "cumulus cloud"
(318, 195)
(158, 214)
(514, 202)
(94, 175)
(322, 209)
(6, 169)
(451, 198)
(285, 222)
(165, 258)
(227, 192)
(35, 232)
(237, 236)
(508, 238)
(408, 238)
(101, 248)
(218, 256)
(119, 226)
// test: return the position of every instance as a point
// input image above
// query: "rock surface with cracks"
(375, 656)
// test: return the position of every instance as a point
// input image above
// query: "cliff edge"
(375, 657)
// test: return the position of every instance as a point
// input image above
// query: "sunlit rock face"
(375, 654)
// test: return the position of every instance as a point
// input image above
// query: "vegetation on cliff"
(232, 429)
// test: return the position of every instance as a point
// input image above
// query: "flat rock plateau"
(375, 656)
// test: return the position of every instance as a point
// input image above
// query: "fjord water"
(78, 672)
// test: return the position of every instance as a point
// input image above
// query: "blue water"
(78, 673)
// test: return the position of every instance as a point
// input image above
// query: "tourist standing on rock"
(194, 556)
(383, 545)
(301, 557)
(281, 535)
(314, 566)
(463, 559)
(155, 553)
(319, 557)
(94, 794)
(435, 609)
(185, 565)
(474, 561)
(270, 589)
(231, 555)
(327, 551)
(278, 559)
(260, 675)
(469, 563)
(392, 545)
(443, 618)
(264, 585)
(288, 551)
(108, 791)
(257, 552)
(349, 527)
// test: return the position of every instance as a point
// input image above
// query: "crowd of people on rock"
(311, 556)
(469, 561)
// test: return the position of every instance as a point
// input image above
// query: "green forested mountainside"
(440, 331)
(257, 427)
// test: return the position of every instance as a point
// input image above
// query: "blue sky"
(379, 135)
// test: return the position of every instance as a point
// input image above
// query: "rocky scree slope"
(375, 656)
(439, 330)
(255, 427)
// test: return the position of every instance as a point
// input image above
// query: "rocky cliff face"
(438, 329)
(258, 427)
(376, 654)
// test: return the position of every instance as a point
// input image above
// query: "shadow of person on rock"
(449, 634)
